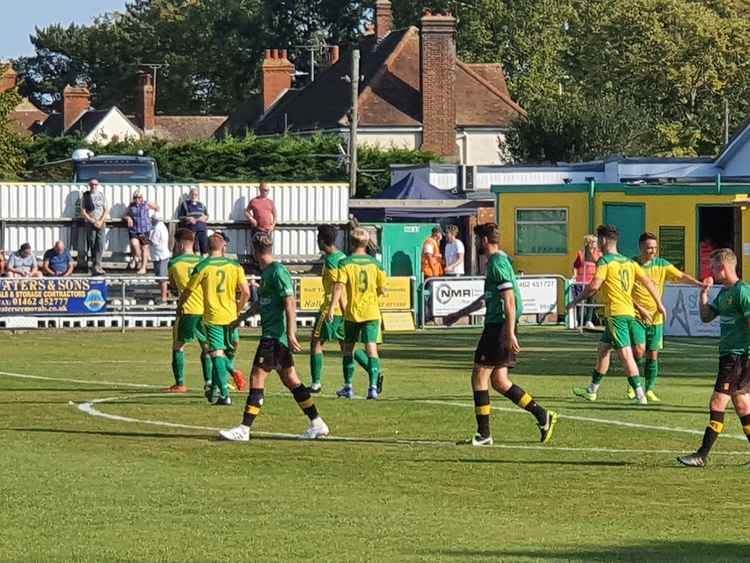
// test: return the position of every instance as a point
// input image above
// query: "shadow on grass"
(112, 434)
(654, 551)
(527, 462)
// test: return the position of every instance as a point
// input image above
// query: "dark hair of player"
(608, 232)
(327, 234)
(489, 230)
(646, 236)
(184, 235)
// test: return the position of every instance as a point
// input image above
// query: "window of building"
(541, 231)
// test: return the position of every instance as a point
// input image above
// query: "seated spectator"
(22, 264)
(193, 215)
(160, 254)
(139, 228)
(57, 261)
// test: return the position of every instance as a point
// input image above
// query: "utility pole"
(726, 122)
(154, 69)
(354, 124)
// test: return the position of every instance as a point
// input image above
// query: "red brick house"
(415, 93)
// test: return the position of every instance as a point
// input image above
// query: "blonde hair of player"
(724, 256)
(360, 238)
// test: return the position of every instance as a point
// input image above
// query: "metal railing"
(475, 320)
(135, 301)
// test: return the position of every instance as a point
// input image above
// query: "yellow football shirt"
(659, 271)
(330, 276)
(219, 280)
(364, 279)
(180, 269)
(617, 272)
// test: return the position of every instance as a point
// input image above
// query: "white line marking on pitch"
(89, 408)
(588, 419)
(426, 401)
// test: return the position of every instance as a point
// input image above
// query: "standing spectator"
(94, 211)
(584, 268)
(139, 229)
(57, 261)
(22, 264)
(261, 212)
(2, 263)
(454, 252)
(432, 260)
(194, 215)
(160, 254)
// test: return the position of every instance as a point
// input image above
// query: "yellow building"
(543, 226)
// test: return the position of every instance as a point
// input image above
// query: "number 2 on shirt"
(220, 288)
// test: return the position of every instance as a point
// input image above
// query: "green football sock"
(652, 373)
(316, 367)
(208, 367)
(374, 371)
(596, 377)
(360, 356)
(348, 370)
(635, 382)
(178, 366)
(221, 379)
(230, 363)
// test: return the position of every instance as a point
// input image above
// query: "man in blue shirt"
(57, 261)
(193, 215)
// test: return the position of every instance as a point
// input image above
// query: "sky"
(21, 16)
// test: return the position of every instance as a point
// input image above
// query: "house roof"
(26, 118)
(179, 128)
(390, 92)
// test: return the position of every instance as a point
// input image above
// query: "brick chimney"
(383, 18)
(145, 108)
(277, 76)
(8, 78)
(438, 76)
(76, 100)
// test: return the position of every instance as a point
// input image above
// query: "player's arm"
(244, 296)
(192, 285)
(643, 312)
(646, 282)
(471, 308)
(338, 292)
(509, 298)
(290, 306)
(380, 281)
(588, 292)
(708, 311)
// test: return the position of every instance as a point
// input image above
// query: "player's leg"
(730, 373)
(639, 337)
(351, 335)
(207, 367)
(254, 401)
(180, 335)
(316, 353)
(369, 334)
(546, 420)
(480, 385)
(301, 394)
(218, 342)
(603, 357)
(654, 343)
(231, 352)
(625, 353)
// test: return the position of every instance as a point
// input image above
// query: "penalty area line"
(89, 408)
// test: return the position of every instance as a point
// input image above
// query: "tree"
(212, 50)
(11, 152)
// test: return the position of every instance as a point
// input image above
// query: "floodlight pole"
(353, 125)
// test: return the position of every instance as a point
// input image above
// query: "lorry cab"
(116, 169)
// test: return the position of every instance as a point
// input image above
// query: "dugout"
(543, 226)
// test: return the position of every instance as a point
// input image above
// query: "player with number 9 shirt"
(360, 283)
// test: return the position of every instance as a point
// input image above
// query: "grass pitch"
(77, 487)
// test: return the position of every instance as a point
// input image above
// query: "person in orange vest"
(584, 268)
(432, 259)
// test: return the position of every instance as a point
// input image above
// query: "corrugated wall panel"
(295, 203)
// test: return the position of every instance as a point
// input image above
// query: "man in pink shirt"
(261, 212)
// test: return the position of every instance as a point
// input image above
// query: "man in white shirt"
(454, 253)
(160, 253)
